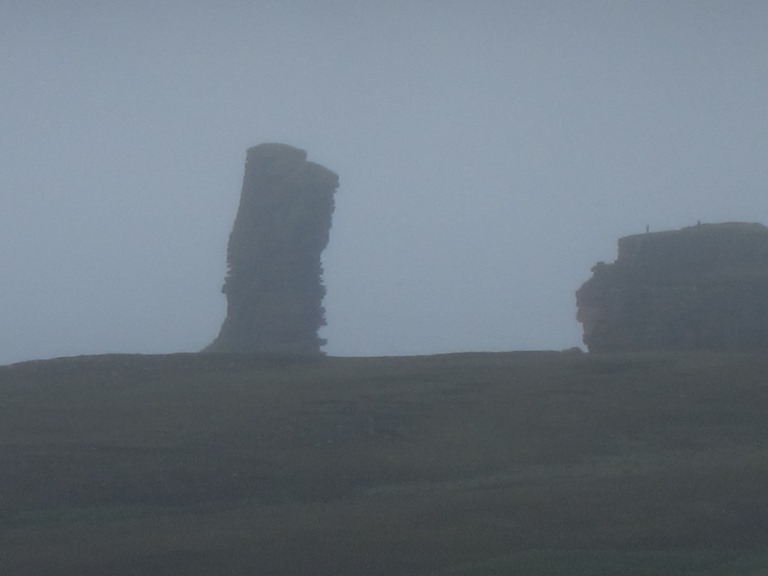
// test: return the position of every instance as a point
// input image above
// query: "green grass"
(537, 463)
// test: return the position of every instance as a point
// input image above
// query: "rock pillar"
(274, 282)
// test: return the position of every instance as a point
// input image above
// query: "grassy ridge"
(467, 464)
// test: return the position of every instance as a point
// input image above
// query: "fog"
(489, 154)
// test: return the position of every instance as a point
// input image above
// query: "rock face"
(274, 285)
(702, 287)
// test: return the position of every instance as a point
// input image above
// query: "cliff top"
(715, 244)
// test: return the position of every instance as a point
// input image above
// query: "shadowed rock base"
(274, 285)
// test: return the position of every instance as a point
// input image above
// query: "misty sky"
(490, 152)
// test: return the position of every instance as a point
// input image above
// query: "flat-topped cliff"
(701, 287)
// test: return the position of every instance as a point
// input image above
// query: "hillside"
(465, 465)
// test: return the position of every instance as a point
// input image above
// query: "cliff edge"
(701, 287)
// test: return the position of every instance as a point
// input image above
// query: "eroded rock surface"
(274, 285)
(701, 287)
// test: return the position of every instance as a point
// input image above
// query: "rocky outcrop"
(274, 284)
(702, 287)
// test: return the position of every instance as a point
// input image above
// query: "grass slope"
(535, 463)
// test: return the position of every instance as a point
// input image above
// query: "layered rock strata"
(701, 287)
(274, 283)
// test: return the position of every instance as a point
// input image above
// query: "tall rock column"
(274, 283)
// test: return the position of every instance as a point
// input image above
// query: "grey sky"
(490, 152)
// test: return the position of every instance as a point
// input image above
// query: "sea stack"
(704, 287)
(274, 285)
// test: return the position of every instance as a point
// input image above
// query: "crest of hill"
(435, 465)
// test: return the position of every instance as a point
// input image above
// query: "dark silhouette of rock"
(702, 287)
(274, 285)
